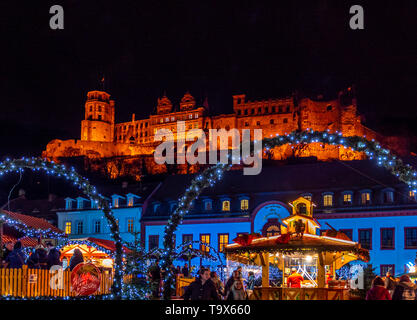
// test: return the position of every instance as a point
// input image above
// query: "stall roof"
(308, 243)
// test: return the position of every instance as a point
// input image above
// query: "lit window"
(365, 198)
(130, 225)
(307, 197)
(244, 204)
(190, 116)
(116, 202)
(204, 243)
(328, 200)
(347, 198)
(196, 116)
(226, 205)
(68, 227)
(162, 120)
(131, 201)
(223, 241)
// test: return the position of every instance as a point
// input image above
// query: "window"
(208, 205)
(411, 195)
(68, 204)
(274, 109)
(308, 197)
(328, 200)
(155, 207)
(258, 123)
(347, 199)
(280, 109)
(68, 227)
(190, 116)
(246, 124)
(79, 227)
(131, 202)
(99, 117)
(239, 112)
(387, 268)
(285, 120)
(244, 204)
(387, 239)
(116, 202)
(271, 121)
(266, 110)
(253, 111)
(223, 241)
(366, 198)
(97, 226)
(226, 205)
(130, 225)
(301, 208)
(288, 108)
(205, 242)
(348, 232)
(153, 242)
(410, 235)
(246, 112)
(365, 238)
(259, 110)
(388, 197)
(186, 238)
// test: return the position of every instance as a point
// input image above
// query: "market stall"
(299, 250)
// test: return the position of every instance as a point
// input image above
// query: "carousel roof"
(308, 243)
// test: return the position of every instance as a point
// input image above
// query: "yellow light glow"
(107, 263)
(309, 258)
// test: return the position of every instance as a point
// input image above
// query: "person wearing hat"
(405, 290)
(295, 279)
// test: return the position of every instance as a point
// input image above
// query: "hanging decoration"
(211, 175)
(58, 170)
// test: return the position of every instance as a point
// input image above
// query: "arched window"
(226, 205)
(244, 204)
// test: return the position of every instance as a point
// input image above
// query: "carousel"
(298, 250)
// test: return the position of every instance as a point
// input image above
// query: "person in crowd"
(390, 283)
(237, 291)
(185, 270)
(53, 255)
(155, 279)
(8, 248)
(378, 290)
(217, 283)
(405, 290)
(251, 283)
(178, 270)
(16, 258)
(295, 279)
(38, 259)
(239, 269)
(230, 281)
(77, 257)
(202, 288)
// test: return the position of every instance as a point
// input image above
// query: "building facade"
(364, 201)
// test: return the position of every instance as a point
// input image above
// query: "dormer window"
(131, 199)
(328, 200)
(244, 204)
(388, 196)
(347, 199)
(208, 205)
(80, 202)
(116, 202)
(226, 205)
(68, 203)
(365, 197)
(156, 207)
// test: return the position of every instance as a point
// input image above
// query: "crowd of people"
(41, 257)
(389, 288)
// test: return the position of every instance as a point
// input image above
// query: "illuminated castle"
(101, 137)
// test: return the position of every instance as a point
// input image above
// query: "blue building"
(359, 198)
(363, 200)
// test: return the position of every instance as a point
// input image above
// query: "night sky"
(207, 47)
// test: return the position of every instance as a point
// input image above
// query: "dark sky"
(214, 48)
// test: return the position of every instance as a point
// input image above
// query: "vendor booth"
(298, 250)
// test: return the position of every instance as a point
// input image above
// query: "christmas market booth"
(99, 252)
(299, 253)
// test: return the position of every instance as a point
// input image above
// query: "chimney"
(133, 117)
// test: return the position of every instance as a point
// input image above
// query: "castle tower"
(164, 105)
(98, 124)
(187, 102)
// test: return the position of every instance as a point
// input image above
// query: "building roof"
(32, 222)
(289, 180)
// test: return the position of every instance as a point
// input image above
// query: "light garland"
(211, 175)
(58, 170)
